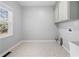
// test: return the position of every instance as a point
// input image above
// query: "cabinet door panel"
(63, 10)
(74, 10)
(56, 13)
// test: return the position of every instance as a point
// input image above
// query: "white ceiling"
(37, 3)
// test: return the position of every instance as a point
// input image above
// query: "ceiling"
(37, 3)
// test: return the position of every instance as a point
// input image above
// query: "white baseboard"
(11, 48)
(39, 40)
(66, 49)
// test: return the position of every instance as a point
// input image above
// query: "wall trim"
(39, 40)
(66, 49)
(11, 48)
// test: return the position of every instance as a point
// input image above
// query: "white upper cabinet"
(63, 10)
(56, 11)
(66, 10)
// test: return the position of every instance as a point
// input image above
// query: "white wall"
(8, 42)
(69, 36)
(38, 23)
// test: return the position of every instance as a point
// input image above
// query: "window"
(6, 25)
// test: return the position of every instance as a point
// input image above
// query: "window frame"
(10, 20)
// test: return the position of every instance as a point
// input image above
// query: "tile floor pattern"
(42, 49)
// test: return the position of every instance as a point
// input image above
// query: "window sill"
(5, 36)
